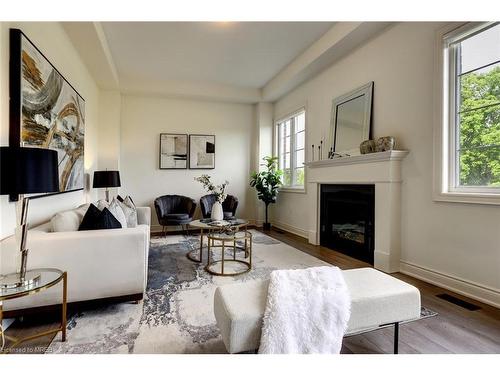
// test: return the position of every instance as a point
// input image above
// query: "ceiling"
(245, 62)
(244, 54)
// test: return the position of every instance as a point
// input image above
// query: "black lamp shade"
(104, 179)
(26, 170)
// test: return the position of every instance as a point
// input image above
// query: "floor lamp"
(25, 170)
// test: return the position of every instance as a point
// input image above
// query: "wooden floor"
(454, 330)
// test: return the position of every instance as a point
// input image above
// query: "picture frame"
(46, 111)
(201, 151)
(173, 151)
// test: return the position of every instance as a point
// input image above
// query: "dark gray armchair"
(174, 210)
(229, 206)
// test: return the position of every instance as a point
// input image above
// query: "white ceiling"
(239, 54)
(241, 62)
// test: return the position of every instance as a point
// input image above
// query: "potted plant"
(267, 183)
(219, 191)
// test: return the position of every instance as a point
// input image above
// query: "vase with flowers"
(220, 193)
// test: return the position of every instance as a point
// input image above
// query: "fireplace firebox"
(347, 220)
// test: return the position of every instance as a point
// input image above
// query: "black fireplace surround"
(347, 220)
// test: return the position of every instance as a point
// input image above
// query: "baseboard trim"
(481, 293)
(290, 228)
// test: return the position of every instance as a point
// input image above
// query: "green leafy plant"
(480, 128)
(267, 183)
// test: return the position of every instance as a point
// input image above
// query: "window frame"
(293, 157)
(446, 169)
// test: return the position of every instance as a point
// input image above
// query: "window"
(471, 147)
(291, 133)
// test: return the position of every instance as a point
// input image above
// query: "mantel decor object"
(106, 179)
(26, 170)
(385, 144)
(351, 117)
(368, 146)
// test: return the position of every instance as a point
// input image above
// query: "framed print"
(45, 110)
(201, 151)
(173, 151)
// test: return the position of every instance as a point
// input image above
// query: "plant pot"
(266, 226)
(217, 212)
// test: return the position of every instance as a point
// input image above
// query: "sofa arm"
(144, 216)
(100, 263)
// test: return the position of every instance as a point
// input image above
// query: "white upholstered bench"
(377, 299)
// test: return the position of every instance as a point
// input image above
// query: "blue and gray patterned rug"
(176, 315)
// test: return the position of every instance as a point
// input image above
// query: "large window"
(291, 148)
(472, 78)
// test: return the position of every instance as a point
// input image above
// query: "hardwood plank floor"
(454, 330)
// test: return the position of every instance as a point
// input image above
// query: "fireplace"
(347, 220)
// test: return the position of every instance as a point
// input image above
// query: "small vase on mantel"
(217, 212)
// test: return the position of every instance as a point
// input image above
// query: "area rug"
(176, 315)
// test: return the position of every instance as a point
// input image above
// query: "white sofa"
(100, 263)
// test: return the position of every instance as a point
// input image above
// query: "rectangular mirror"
(351, 120)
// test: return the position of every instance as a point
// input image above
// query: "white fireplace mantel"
(382, 169)
(394, 155)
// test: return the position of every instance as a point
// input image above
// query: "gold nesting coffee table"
(196, 255)
(229, 240)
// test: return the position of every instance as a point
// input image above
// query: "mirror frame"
(367, 91)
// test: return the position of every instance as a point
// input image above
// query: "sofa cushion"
(122, 199)
(117, 211)
(68, 221)
(95, 219)
(102, 204)
(130, 211)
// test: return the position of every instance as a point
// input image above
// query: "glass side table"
(196, 255)
(229, 241)
(49, 277)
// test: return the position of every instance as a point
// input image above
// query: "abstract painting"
(173, 151)
(201, 151)
(45, 110)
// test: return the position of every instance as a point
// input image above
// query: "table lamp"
(26, 170)
(106, 179)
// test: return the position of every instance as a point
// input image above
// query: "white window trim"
(444, 153)
(292, 188)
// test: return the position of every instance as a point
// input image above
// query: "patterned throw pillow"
(101, 204)
(130, 212)
(117, 211)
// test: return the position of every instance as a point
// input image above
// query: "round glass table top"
(44, 278)
(209, 224)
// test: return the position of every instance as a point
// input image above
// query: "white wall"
(459, 244)
(52, 40)
(144, 118)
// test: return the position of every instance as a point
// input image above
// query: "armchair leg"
(164, 233)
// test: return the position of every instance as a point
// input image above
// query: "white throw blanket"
(307, 311)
